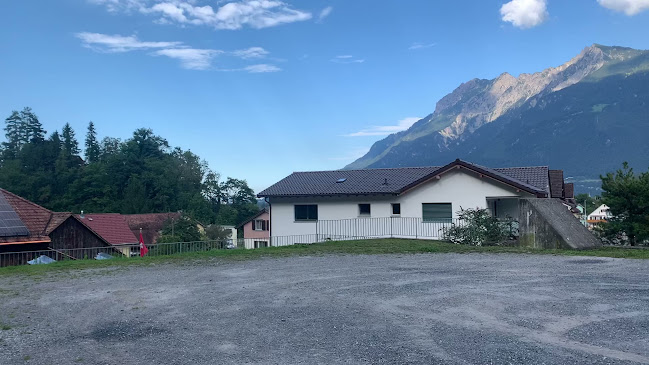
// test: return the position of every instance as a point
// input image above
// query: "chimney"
(82, 216)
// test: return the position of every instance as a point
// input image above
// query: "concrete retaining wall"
(546, 223)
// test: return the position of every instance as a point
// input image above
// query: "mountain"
(586, 117)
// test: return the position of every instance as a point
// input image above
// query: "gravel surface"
(426, 309)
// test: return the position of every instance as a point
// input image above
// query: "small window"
(364, 209)
(259, 244)
(396, 209)
(340, 181)
(437, 212)
(306, 212)
(258, 225)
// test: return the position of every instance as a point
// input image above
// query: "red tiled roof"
(151, 224)
(110, 227)
(33, 216)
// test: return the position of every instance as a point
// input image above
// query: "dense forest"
(142, 174)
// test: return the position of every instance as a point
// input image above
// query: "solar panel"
(10, 223)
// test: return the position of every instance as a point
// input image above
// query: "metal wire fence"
(325, 230)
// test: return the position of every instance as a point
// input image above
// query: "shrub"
(478, 228)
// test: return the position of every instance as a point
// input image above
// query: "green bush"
(478, 228)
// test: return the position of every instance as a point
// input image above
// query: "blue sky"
(261, 88)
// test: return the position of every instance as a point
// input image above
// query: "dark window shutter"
(263, 225)
(253, 225)
(267, 225)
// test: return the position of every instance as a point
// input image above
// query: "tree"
(92, 145)
(627, 195)
(182, 230)
(34, 131)
(15, 133)
(109, 147)
(70, 144)
(217, 233)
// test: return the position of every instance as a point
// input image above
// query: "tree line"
(142, 174)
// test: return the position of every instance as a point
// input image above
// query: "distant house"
(256, 230)
(600, 215)
(304, 202)
(151, 224)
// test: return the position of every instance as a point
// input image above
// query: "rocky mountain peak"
(479, 102)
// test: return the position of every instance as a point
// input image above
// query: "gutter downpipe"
(270, 222)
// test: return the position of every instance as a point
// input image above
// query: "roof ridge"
(25, 200)
(520, 167)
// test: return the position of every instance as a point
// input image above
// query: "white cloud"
(385, 130)
(325, 13)
(118, 43)
(233, 15)
(261, 68)
(629, 7)
(525, 13)
(252, 52)
(190, 58)
(418, 45)
(346, 59)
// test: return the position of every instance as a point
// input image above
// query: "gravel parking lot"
(427, 309)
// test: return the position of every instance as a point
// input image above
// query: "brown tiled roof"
(56, 220)
(556, 183)
(151, 224)
(110, 227)
(397, 180)
(33, 216)
(569, 191)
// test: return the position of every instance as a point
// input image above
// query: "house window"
(306, 212)
(259, 244)
(396, 209)
(437, 212)
(364, 210)
(258, 225)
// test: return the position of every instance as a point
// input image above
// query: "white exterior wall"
(461, 188)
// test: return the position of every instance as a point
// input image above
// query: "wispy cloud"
(525, 13)
(418, 45)
(252, 52)
(117, 43)
(385, 130)
(190, 58)
(629, 7)
(262, 68)
(233, 15)
(325, 13)
(346, 59)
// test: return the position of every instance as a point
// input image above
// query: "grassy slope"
(365, 247)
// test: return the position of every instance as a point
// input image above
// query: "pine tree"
(92, 146)
(15, 133)
(70, 144)
(34, 131)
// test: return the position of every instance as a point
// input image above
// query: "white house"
(600, 215)
(305, 205)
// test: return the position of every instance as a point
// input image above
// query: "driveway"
(420, 309)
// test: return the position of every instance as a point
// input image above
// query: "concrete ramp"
(547, 223)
